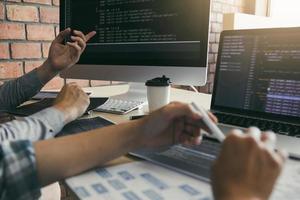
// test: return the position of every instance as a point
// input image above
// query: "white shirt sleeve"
(42, 125)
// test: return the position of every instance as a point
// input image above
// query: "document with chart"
(138, 181)
(146, 181)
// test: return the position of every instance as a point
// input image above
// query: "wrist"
(239, 194)
(67, 112)
(46, 72)
(139, 138)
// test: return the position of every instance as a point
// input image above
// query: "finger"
(185, 139)
(283, 155)
(269, 139)
(177, 110)
(90, 35)
(255, 133)
(275, 159)
(234, 135)
(62, 35)
(192, 129)
(75, 46)
(213, 117)
(80, 42)
(79, 34)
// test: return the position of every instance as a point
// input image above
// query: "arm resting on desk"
(63, 157)
(42, 125)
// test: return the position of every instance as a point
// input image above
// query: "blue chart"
(138, 181)
(146, 181)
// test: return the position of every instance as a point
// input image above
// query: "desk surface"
(176, 95)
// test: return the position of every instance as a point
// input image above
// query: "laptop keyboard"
(265, 125)
(199, 159)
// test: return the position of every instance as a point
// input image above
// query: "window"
(285, 10)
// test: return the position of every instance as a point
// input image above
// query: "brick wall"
(219, 7)
(27, 28)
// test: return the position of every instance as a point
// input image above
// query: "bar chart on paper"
(146, 181)
(138, 181)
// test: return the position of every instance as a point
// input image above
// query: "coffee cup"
(158, 92)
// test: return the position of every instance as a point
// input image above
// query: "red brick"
(214, 48)
(40, 32)
(217, 7)
(22, 13)
(45, 49)
(12, 31)
(212, 68)
(55, 2)
(56, 83)
(1, 10)
(204, 89)
(216, 27)
(31, 65)
(49, 15)
(26, 50)
(82, 83)
(99, 83)
(211, 58)
(4, 51)
(10, 69)
(47, 2)
(210, 78)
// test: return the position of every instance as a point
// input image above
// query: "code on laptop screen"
(260, 71)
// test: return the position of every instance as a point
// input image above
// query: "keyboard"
(192, 160)
(120, 107)
(263, 124)
(83, 125)
(35, 107)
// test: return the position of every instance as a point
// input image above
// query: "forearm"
(45, 72)
(60, 158)
(15, 92)
(42, 125)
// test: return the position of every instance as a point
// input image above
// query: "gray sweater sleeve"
(42, 125)
(14, 93)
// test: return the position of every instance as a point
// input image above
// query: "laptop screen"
(259, 71)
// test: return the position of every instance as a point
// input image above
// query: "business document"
(147, 181)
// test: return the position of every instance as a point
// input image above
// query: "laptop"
(257, 83)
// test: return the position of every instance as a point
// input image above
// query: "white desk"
(176, 95)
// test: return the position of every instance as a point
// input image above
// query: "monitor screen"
(259, 70)
(141, 32)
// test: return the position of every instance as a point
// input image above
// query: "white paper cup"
(158, 96)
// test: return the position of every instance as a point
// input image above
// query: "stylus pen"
(214, 129)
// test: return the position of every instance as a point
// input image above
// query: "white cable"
(194, 88)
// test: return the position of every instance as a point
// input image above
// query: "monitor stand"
(136, 92)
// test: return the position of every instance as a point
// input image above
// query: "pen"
(215, 131)
(137, 117)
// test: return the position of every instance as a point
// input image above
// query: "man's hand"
(174, 123)
(72, 101)
(64, 56)
(246, 169)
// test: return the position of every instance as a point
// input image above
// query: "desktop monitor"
(138, 40)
